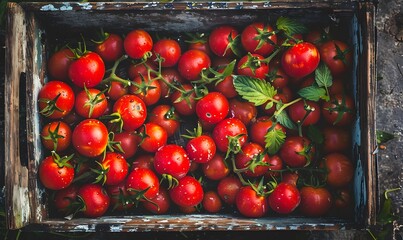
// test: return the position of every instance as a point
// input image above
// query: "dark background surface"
(389, 114)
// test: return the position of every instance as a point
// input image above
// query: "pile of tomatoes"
(253, 121)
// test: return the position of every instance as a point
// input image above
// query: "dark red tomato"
(216, 168)
(142, 68)
(56, 136)
(306, 82)
(160, 204)
(143, 179)
(252, 157)
(316, 36)
(146, 89)
(212, 202)
(270, 110)
(188, 210)
(59, 63)
(166, 117)
(172, 159)
(119, 197)
(226, 86)
(201, 45)
(252, 65)
(64, 198)
(278, 78)
(116, 168)
(315, 202)
(300, 60)
(138, 43)
(228, 188)
(337, 56)
(336, 139)
(90, 137)
(337, 86)
(229, 128)
(251, 204)
(276, 163)
(128, 142)
(54, 173)
(339, 111)
(221, 39)
(201, 149)
(243, 110)
(342, 202)
(132, 110)
(259, 38)
(184, 103)
(297, 151)
(154, 137)
(87, 70)
(116, 90)
(169, 50)
(56, 99)
(192, 63)
(95, 199)
(111, 48)
(340, 170)
(144, 161)
(90, 103)
(307, 112)
(212, 108)
(172, 76)
(259, 129)
(189, 192)
(285, 198)
(290, 178)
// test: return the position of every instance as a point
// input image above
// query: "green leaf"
(383, 137)
(313, 93)
(274, 139)
(315, 134)
(254, 90)
(283, 118)
(290, 26)
(323, 76)
(229, 69)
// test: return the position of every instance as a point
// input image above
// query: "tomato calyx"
(62, 161)
(234, 145)
(263, 36)
(234, 44)
(172, 181)
(144, 86)
(114, 119)
(211, 75)
(306, 152)
(341, 55)
(122, 200)
(102, 36)
(196, 38)
(93, 100)
(170, 114)
(252, 62)
(100, 173)
(197, 132)
(54, 136)
(51, 106)
(340, 108)
(137, 196)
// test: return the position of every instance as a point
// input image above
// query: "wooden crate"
(30, 26)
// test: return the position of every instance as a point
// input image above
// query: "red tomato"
(307, 112)
(146, 89)
(259, 129)
(336, 139)
(137, 43)
(229, 128)
(154, 137)
(285, 198)
(226, 86)
(278, 78)
(243, 110)
(172, 76)
(259, 38)
(315, 202)
(95, 199)
(340, 170)
(339, 111)
(184, 103)
(252, 157)
(297, 151)
(128, 142)
(56, 173)
(228, 188)
(212, 108)
(216, 168)
(144, 161)
(290, 178)
(143, 179)
(110, 48)
(169, 50)
(63, 199)
(172, 159)
(87, 70)
(90, 138)
(300, 60)
(211, 202)
(116, 90)
(160, 204)
(59, 63)
(56, 136)
(252, 65)
(201, 149)
(251, 204)
(132, 111)
(115, 168)
(337, 56)
(166, 117)
(120, 198)
(56, 99)
(276, 163)
(187, 193)
(192, 63)
(91, 103)
(221, 39)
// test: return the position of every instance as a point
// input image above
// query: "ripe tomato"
(56, 173)
(285, 198)
(276, 163)
(340, 170)
(192, 63)
(116, 90)
(56, 136)
(95, 199)
(90, 137)
(56, 99)
(297, 151)
(221, 39)
(59, 63)
(315, 202)
(184, 103)
(243, 110)
(160, 204)
(229, 128)
(136, 69)
(189, 192)
(137, 43)
(201, 149)
(252, 65)
(172, 76)
(252, 157)
(337, 56)
(146, 89)
(216, 168)
(339, 111)
(90, 103)
(279, 97)
(212, 108)
(110, 48)
(290, 178)
(307, 112)
(250, 204)
(132, 111)
(259, 129)
(336, 139)
(115, 168)
(166, 117)
(119, 197)
(169, 50)
(144, 161)
(128, 142)
(211, 202)
(278, 78)
(226, 86)
(259, 38)
(64, 199)
(154, 137)
(172, 159)
(228, 188)
(143, 179)
(300, 60)
(87, 70)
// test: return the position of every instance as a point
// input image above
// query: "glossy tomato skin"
(166, 116)
(63, 139)
(215, 169)
(137, 43)
(128, 142)
(183, 106)
(59, 63)
(132, 110)
(201, 149)
(59, 92)
(170, 75)
(337, 64)
(229, 127)
(162, 201)
(250, 39)
(172, 159)
(90, 137)
(300, 60)
(117, 168)
(116, 90)
(189, 192)
(248, 153)
(90, 103)
(111, 48)
(95, 198)
(228, 188)
(220, 39)
(340, 170)
(315, 202)
(339, 105)
(192, 62)
(243, 110)
(140, 179)
(285, 198)
(54, 177)
(155, 137)
(117, 194)
(211, 202)
(226, 86)
(169, 50)
(250, 204)
(212, 108)
(293, 149)
(149, 92)
(88, 70)
(276, 163)
(64, 198)
(306, 111)
(252, 65)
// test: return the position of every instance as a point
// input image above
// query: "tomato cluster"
(254, 120)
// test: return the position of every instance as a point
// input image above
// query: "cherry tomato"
(187, 193)
(192, 62)
(228, 188)
(297, 151)
(253, 158)
(146, 89)
(229, 128)
(55, 173)
(154, 137)
(172, 76)
(90, 138)
(226, 86)
(259, 38)
(307, 112)
(221, 39)
(201, 149)
(340, 170)
(212, 108)
(169, 50)
(116, 90)
(144, 161)
(137, 43)
(143, 179)
(251, 204)
(172, 159)
(336, 139)
(110, 48)
(276, 163)
(119, 197)
(339, 111)
(315, 202)
(216, 168)
(59, 63)
(87, 70)
(128, 142)
(285, 198)
(211, 202)
(243, 110)
(132, 111)
(252, 65)
(300, 60)
(56, 99)
(184, 103)
(90, 103)
(259, 129)
(95, 200)
(64, 198)
(56, 136)
(278, 78)
(116, 168)
(166, 117)
(160, 204)
(337, 56)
